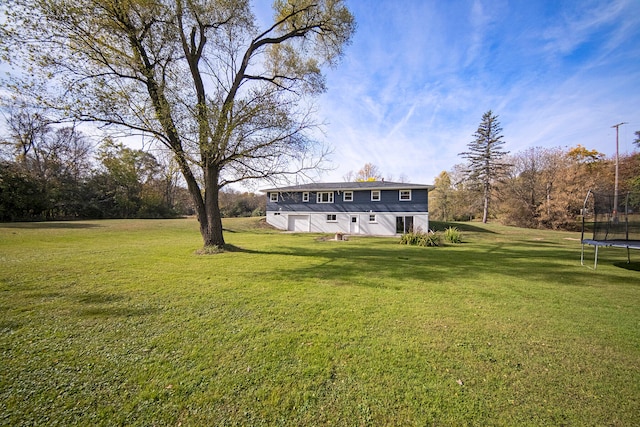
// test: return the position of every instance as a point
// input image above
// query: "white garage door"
(298, 223)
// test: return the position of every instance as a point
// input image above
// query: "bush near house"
(421, 238)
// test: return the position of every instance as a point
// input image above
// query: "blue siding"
(389, 202)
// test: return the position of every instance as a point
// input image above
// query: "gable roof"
(352, 186)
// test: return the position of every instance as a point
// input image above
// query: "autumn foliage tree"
(229, 99)
(441, 198)
(369, 172)
(546, 187)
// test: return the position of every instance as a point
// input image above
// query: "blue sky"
(412, 87)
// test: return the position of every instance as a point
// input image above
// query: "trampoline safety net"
(607, 217)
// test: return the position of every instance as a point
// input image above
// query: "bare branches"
(230, 101)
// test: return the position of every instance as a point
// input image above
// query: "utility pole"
(615, 191)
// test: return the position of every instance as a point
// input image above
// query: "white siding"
(385, 224)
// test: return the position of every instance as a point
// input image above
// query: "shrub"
(453, 235)
(420, 238)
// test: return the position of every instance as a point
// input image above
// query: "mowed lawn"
(122, 323)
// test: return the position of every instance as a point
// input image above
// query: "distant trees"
(369, 172)
(485, 158)
(541, 188)
(441, 198)
(234, 203)
(49, 172)
(43, 167)
(52, 172)
(538, 187)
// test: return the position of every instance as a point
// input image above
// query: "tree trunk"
(485, 211)
(207, 208)
(212, 232)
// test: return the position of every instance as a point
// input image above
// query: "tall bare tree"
(230, 100)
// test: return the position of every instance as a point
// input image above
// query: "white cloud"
(413, 87)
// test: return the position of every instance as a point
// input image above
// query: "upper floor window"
(305, 196)
(375, 195)
(405, 195)
(347, 196)
(325, 197)
(273, 197)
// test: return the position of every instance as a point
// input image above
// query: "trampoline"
(610, 220)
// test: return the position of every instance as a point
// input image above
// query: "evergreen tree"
(485, 157)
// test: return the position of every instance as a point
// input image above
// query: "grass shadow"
(61, 225)
(542, 262)
(97, 298)
(109, 305)
(631, 266)
(462, 226)
(117, 311)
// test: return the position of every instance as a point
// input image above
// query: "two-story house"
(367, 208)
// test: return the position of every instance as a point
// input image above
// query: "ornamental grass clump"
(453, 235)
(420, 238)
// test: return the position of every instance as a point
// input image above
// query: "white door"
(354, 225)
(298, 223)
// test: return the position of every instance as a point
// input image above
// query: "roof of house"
(349, 186)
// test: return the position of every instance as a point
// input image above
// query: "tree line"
(50, 172)
(535, 188)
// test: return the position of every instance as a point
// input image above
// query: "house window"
(375, 195)
(347, 196)
(273, 197)
(325, 197)
(404, 224)
(372, 218)
(332, 218)
(276, 213)
(305, 196)
(405, 195)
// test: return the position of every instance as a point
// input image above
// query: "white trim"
(305, 197)
(344, 196)
(400, 195)
(329, 198)
(379, 195)
(271, 198)
(332, 218)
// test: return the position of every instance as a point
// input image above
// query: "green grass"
(122, 323)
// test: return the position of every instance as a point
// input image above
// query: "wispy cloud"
(413, 86)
